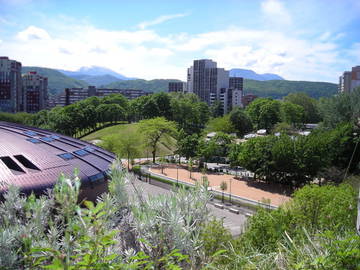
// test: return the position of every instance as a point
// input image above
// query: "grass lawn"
(165, 148)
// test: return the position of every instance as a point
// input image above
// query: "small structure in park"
(33, 159)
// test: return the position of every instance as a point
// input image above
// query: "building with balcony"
(11, 97)
(350, 80)
(35, 92)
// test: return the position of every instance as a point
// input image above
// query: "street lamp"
(177, 172)
(230, 188)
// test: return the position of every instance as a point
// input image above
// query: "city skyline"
(302, 40)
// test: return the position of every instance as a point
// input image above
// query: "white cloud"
(275, 12)
(146, 54)
(33, 33)
(161, 19)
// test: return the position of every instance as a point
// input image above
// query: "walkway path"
(250, 190)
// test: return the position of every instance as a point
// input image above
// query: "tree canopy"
(156, 129)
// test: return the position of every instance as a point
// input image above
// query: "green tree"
(188, 112)
(217, 109)
(240, 121)
(221, 124)
(156, 129)
(187, 146)
(310, 106)
(264, 112)
(283, 128)
(344, 107)
(292, 114)
(217, 146)
(223, 187)
(162, 101)
(127, 146)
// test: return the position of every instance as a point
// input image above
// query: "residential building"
(204, 79)
(350, 80)
(355, 77)
(128, 93)
(35, 92)
(212, 84)
(247, 99)
(236, 83)
(177, 87)
(11, 98)
(72, 95)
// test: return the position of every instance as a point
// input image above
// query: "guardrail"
(236, 198)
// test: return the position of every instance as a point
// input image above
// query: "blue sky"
(299, 40)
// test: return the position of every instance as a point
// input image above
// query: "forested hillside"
(56, 80)
(280, 88)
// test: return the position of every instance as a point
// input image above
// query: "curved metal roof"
(33, 158)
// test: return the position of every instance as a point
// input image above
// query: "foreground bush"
(315, 230)
(124, 230)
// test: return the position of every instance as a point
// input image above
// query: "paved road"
(234, 222)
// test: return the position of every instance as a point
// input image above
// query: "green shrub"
(124, 230)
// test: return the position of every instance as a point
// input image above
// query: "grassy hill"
(165, 148)
(56, 80)
(156, 85)
(281, 88)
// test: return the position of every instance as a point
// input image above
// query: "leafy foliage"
(121, 231)
(156, 129)
(240, 121)
(310, 106)
(316, 230)
(344, 107)
(264, 113)
(297, 160)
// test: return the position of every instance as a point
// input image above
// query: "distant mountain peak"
(94, 71)
(250, 74)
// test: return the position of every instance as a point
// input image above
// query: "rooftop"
(33, 158)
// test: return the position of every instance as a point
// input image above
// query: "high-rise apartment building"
(211, 84)
(35, 92)
(203, 79)
(11, 98)
(350, 80)
(236, 83)
(177, 87)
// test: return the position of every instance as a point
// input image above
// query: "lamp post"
(230, 188)
(177, 172)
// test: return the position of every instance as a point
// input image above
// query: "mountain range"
(263, 87)
(249, 74)
(94, 75)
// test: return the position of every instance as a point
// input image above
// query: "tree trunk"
(153, 154)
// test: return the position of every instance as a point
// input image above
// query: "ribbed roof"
(33, 158)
